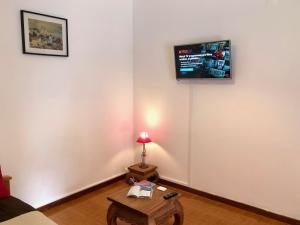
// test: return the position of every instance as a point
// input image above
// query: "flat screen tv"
(203, 60)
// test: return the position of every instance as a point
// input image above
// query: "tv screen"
(203, 60)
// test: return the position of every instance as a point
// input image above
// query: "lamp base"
(143, 166)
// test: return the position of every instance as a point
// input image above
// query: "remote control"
(170, 195)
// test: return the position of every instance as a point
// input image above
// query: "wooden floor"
(91, 210)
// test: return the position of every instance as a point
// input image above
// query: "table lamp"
(143, 138)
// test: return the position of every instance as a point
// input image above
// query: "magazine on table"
(145, 185)
(142, 189)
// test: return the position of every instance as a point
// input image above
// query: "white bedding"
(31, 218)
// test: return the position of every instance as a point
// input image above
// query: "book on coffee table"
(137, 191)
(145, 185)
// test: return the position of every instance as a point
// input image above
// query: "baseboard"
(240, 205)
(81, 192)
(162, 177)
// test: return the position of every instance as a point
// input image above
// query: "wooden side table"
(138, 173)
(142, 211)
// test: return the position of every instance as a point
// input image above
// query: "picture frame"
(44, 34)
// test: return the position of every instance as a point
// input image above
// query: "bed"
(13, 211)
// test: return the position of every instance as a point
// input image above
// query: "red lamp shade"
(143, 138)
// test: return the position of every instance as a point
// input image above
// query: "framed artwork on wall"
(44, 35)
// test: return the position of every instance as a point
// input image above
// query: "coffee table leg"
(112, 215)
(151, 221)
(179, 214)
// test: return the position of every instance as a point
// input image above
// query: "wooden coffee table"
(144, 211)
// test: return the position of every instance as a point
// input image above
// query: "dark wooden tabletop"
(146, 206)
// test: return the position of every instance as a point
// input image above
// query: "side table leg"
(112, 215)
(156, 177)
(179, 213)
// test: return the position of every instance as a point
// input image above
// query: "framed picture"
(44, 34)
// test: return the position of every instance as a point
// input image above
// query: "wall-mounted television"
(203, 60)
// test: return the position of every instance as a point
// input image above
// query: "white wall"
(240, 138)
(66, 123)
